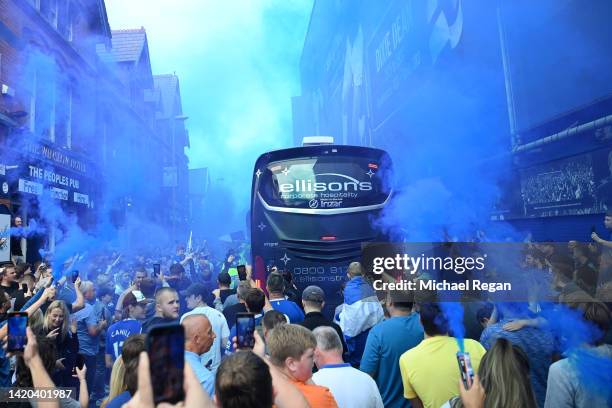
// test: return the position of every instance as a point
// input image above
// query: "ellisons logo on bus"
(305, 186)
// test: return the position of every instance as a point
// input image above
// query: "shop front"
(51, 189)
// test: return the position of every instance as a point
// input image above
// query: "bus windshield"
(324, 182)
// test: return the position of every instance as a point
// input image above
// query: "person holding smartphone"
(255, 301)
(504, 367)
(58, 327)
(224, 281)
(429, 371)
(33, 366)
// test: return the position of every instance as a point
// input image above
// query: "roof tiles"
(128, 44)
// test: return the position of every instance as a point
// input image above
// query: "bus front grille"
(336, 251)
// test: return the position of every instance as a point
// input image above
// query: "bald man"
(166, 309)
(199, 338)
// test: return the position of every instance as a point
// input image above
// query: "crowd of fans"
(88, 331)
(570, 181)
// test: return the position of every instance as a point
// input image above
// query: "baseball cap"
(133, 298)
(196, 289)
(313, 294)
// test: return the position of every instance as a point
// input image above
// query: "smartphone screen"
(245, 328)
(75, 275)
(241, 272)
(24, 288)
(166, 349)
(80, 361)
(465, 369)
(156, 269)
(17, 323)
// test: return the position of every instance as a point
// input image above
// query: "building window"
(45, 96)
(33, 103)
(70, 28)
(64, 24)
(69, 118)
(104, 142)
(48, 9)
(53, 13)
(52, 113)
(63, 112)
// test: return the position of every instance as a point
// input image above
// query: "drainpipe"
(564, 134)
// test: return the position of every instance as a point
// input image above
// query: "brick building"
(78, 117)
(49, 77)
(171, 126)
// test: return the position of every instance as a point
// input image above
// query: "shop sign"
(26, 186)
(51, 176)
(5, 237)
(56, 156)
(59, 193)
(81, 198)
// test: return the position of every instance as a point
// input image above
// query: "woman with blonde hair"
(117, 383)
(57, 326)
(502, 381)
(130, 353)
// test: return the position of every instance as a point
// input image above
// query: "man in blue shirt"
(199, 338)
(386, 343)
(89, 327)
(134, 306)
(275, 284)
(196, 295)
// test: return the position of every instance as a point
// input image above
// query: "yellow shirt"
(431, 372)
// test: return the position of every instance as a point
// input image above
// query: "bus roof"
(293, 152)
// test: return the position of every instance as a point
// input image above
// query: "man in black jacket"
(313, 300)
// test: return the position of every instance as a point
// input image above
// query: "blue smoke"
(122, 183)
(454, 314)
(594, 371)
(575, 335)
(236, 87)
